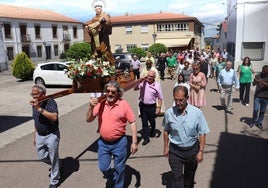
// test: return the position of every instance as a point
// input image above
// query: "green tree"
(79, 51)
(157, 48)
(63, 56)
(138, 51)
(22, 67)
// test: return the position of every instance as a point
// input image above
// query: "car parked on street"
(125, 57)
(52, 73)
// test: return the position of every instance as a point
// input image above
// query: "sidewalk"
(235, 155)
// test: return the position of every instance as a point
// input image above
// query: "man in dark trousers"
(162, 62)
(151, 97)
(185, 130)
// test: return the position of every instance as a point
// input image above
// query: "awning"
(174, 42)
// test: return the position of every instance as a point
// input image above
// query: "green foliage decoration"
(79, 51)
(22, 67)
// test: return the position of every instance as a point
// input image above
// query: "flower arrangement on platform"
(93, 68)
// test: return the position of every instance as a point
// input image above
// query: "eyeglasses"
(196, 69)
(108, 91)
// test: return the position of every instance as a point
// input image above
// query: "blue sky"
(209, 12)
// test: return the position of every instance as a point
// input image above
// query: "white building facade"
(3, 56)
(42, 38)
(248, 32)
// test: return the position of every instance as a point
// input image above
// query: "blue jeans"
(117, 149)
(259, 109)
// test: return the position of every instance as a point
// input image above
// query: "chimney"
(160, 11)
(126, 14)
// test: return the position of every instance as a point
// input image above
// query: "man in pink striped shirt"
(150, 95)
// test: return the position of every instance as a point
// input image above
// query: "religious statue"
(99, 30)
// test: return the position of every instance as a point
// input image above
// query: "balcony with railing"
(26, 38)
(66, 37)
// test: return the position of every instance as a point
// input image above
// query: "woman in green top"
(245, 72)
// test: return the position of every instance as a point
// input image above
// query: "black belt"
(44, 133)
(148, 104)
(227, 86)
(196, 144)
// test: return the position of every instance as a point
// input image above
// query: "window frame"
(253, 50)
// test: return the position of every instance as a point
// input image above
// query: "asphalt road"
(235, 154)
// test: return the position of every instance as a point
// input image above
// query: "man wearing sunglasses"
(113, 115)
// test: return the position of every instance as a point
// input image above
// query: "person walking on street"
(181, 82)
(162, 62)
(172, 65)
(150, 57)
(186, 71)
(204, 67)
(135, 65)
(245, 73)
(226, 80)
(197, 84)
(260, 97)
(212, 62)
(185, 130)
(150, 67)
(150, 98)
(113, 115)
(47, 134)
(218, 67)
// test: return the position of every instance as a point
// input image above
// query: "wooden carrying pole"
(65, 92)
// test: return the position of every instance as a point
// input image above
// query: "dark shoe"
(110, 184)
(251, 125)
(259, 125)
(152, 134)
(53, 186)
(145, 142)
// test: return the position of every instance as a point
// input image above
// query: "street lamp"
(154, 36)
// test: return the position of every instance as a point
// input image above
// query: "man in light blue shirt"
(185, 130)
(226, 80)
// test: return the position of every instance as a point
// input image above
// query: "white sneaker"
(246, 104)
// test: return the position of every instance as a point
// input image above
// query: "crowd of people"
(184, 124)
(189, 94)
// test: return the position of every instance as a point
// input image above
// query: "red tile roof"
(153, 17)
(18, 12)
